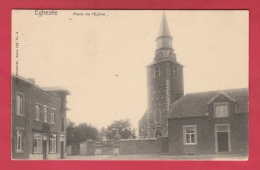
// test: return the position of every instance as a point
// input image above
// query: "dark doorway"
(222, 138)
(158, 133)
(44, 147)
(62, 150)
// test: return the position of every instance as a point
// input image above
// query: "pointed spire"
(164, 29)
(164, 48)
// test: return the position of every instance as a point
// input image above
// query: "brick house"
(209, 123)
(38, 120)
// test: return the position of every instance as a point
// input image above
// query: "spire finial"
(164, 29)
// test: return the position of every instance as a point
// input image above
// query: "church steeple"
(164, 48)
(164, 29)
(164, 85)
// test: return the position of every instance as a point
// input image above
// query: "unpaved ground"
(157, 157)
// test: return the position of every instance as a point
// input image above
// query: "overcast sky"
(101, 59)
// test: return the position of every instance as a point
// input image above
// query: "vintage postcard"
(130, 84)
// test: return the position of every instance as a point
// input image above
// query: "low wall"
(107, 147)
(72, 150)
(68, 150)
(87, 147)
(143, 146)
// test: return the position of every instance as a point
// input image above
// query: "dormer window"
(175, 72)
(221, 110)
(156, 72)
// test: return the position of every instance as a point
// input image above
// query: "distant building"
(211, 123)
(38, 120)
(165, 85)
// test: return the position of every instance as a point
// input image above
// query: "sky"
(102, 59)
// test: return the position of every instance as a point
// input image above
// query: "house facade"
(209, 123)
(38, 120)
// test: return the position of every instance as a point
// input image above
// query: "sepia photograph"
(130, 85)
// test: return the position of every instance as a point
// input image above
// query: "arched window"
(175, 72)
(143, 127)
(157, 116)
(156, 72)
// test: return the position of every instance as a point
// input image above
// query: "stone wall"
(143, 146)
(68, 150)
(87, 147)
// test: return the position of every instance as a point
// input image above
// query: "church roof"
(143, 118)
(195, 104)
(164, 29)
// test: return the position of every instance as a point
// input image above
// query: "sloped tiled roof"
(195, 104)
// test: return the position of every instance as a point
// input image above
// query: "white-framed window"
(157, 114)
(19, 104)
(221, 110)
(38, 112)
(45, 111)
(19, 140)
(52, 116)
(156, 72)
(190, 134)
(53, 143)
(37, 143)
(175, 72)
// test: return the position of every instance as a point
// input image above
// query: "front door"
(222, 141)
(158, 133)
(222, 138)
(44, 146)
(62, 140)
(62, 150)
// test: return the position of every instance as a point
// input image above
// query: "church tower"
(164, 84)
